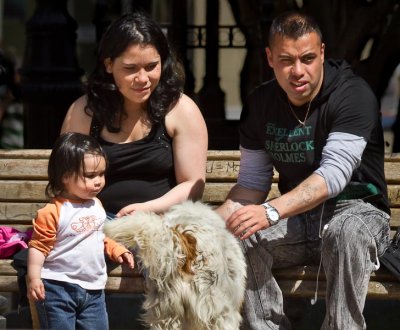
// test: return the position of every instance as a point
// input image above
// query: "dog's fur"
(194, 268)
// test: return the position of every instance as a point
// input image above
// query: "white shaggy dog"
(194, 268)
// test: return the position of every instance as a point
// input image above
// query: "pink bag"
(12, 240)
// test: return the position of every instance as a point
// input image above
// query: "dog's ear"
(189, 247)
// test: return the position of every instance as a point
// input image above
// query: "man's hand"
(247, 220)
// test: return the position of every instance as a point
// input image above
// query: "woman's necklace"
(302, 123)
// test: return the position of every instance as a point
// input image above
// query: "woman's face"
(136, 72)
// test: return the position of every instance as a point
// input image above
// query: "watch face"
(273, 215)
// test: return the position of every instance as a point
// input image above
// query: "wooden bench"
(23, 178)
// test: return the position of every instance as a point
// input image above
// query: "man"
(318, 124)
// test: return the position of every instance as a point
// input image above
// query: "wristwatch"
(272, 214)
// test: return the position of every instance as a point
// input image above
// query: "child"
(66, 264)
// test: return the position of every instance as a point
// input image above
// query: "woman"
(154, 135)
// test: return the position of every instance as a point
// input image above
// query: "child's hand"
(127, 258)
(36, 290)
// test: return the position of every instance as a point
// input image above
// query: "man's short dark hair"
(292, 25)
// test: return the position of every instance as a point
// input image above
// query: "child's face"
(87, 184)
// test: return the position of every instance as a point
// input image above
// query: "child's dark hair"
(68, 157)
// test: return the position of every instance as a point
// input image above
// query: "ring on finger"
(243, 232)
(237, 227)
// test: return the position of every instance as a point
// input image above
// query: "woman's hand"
(131, 208)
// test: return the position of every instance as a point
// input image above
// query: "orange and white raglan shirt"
(70, 235)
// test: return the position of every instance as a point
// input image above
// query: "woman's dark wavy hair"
(68, 158)
(104, 99)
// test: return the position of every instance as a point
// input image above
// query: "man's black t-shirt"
(344, 104)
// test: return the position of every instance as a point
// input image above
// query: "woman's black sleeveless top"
(137, 171)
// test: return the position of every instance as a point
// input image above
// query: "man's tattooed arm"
(308, 194)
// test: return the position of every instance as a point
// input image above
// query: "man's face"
(298, 66)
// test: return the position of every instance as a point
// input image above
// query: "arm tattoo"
(307, 193)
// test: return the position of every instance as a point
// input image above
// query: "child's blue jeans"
(68, 306)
